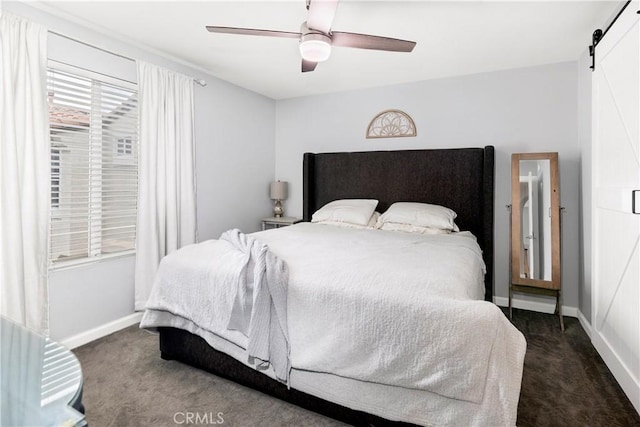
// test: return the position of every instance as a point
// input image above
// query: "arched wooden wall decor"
(391, 124)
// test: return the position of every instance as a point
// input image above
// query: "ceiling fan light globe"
(315, 47)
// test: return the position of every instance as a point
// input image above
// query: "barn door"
(616, 181)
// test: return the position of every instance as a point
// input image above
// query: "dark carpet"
(565, 382)
(127, 384)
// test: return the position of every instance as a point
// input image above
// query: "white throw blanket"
(233, 287)
(260, 306)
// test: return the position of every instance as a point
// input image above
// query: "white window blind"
(94, 165)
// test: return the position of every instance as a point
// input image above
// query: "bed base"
(183, 346)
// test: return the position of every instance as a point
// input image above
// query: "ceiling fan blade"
(321, 14)
(308, 66)
(252, 32)
(365, 41)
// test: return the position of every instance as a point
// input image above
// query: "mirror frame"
(516, 226)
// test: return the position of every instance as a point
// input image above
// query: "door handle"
(634, 205)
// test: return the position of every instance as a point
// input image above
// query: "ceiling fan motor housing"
(315, 46)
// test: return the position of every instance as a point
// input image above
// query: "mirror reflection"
(535, 219)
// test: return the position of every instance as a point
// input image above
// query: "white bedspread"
(388, 307)
(385, 307)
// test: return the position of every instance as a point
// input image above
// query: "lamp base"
(278, 209)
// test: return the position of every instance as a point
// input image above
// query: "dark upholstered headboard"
(461, 179)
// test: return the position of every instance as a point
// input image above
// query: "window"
(125, 146)
(94, 165)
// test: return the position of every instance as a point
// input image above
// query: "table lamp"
(278, 192)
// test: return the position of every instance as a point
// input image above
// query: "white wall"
(523, 110)
(234, 131)
(234, 158)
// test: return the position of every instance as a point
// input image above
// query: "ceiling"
(453, 38)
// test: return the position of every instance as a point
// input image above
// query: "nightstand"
(274, 222)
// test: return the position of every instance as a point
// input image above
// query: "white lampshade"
(315, 47)
(279, 190)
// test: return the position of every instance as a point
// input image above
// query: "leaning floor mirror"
(535, 227)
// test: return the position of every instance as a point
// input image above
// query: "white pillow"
(421, 215)
(353, 211)
(370, 225)
(408, 228)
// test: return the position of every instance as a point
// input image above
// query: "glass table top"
(40, 380)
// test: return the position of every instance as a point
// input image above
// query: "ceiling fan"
(316, 36)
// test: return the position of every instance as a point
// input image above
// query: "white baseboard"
(101, 331)
(541, 307)
(585, 323)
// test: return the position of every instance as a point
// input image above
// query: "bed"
(461, 179)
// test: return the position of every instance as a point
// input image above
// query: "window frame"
(92, 256)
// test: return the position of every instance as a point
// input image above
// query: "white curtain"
(25, 173)
(166, 186)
